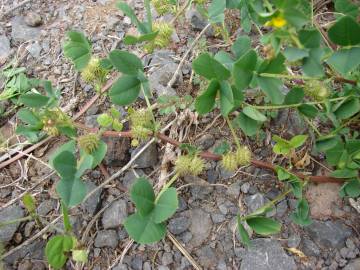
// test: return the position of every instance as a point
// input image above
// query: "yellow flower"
(277, 22)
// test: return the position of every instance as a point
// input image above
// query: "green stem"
(233, 132)
(287, 76)
(148, 104)
(9, 222)
(166, 186)
(312, 126)
(276, 107)
(148, 13)
(181, 10)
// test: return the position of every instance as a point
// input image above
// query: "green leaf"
(293, 54)
(308, 110)
(67, 130)
(301, 216)
(274, 66)
(248, 126)
(128, 11)
(310, 38)
(143, 196)
(84, 164)
(143, 229)
(65, 164)
(206, 66)
(104, 120)
(31, 133)
(29, 203)
(222, 149)
(226, 98)
(254, 114)
(33, 100)
(166, 205)
(71, 190)
(66, 218)
(243, 69)
(245, 239)
(334, 154)
(351, 188)
(295, 96)
(326, 143)
(225, 59)
(282, 174)
(347, 109)
(345, 32)
(271, 87)
(125, 90)
(282, 146)
(125, 62)
(70, 146)
(347, 7)
(216, 11)
(29, 117)
(206, 101)
(56, 249)
(298, 140)
(78, 49)
(344, 173)
(98, 154)
(263, 225)
(80, 255)
(312, 65)
(241, 46)
(131, 40)
(345, 60)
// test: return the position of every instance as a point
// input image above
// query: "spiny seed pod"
(243, 156)
(140, 133)
(141, 118)
(89, 142)
(229, 161)
(316, 89)
(163, 38)
(94, 72)
(163, 6)
(189, 165)
(51, 131)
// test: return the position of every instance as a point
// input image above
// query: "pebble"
(115, 215)
(4, 48)
(33, 19)
(148, 158)
(178, 225)
(92, 203)
(167, 258)
(106, 238)
(200, 227)
(10, 213)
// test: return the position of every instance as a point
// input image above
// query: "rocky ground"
(205, 221)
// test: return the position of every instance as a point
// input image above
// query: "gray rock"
(4, 48)
(291, 120)
(36, 249)
(329, 234)
(353, 265)
(178, 225)
(205, 141)
(198, 22)
(234, 190)
(266, 254)
(163, 267)
(281, 208)
(46, 207)
(120, 266)
(167, 258)
(115, 215)
(21, 32)
(137, 263)
(310, 248)
(34, 49)
(106, 238)
(254, 202)
(129, 178)
(207, 257)
(117, 151)
(245, 188)
(217, 218)
(92, 203)
(33, 19)
(148, 158)
(294, 241)
(8, 214)
(200, 227)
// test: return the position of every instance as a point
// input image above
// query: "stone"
(323, 199)
(117, 151)
(10, 213)
(115, 215)
(205, 141)
(294, 241)
(92, 203)
(310, 248)
(137, 263)
(167, 258)
(266, 254)
(46, 207)
(34, 49)
(178, 225)
(33, 19)
(207, 257)
(148, 158)
(35, 248)
(234, 190)
(245, 187)
(328, 234)
(20, 32)
(353, 265)
(4, 49)
(281, 208)
(120, 266)
(106, 238)
(254, 202)
(291, 120)
(200, 227)
(129, 178)
(197, 21)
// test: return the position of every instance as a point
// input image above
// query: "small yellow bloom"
(277, 22)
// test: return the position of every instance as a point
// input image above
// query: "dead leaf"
(303, 162)
(298, 253)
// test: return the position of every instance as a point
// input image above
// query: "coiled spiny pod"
(316, 89)
(189, 165)
(142, 117)
(163, 6)
(243, 156)
(94, 72)
(140, 133)
(163, 37)
(229, 161)
(89, 143)
(53, 118)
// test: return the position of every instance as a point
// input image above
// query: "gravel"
(9, 214)
(115, 215)
(106, 238)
